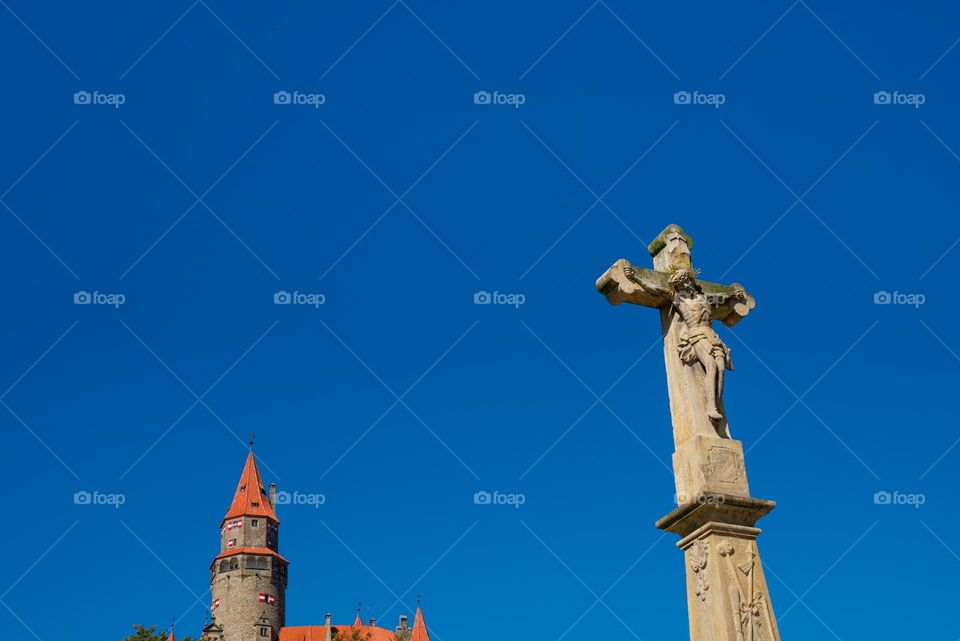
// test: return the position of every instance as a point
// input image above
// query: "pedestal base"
(709, 464)
(727, 595)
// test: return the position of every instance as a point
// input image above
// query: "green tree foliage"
(352, 634)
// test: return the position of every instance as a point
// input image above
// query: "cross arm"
(729, 304)
(624, 282)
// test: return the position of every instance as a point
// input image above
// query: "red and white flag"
(269, 599)
(233, 525)
(216, 603)
(231, 543)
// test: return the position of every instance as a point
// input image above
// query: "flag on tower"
(266, 598)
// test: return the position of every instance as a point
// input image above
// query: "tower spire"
(251, 498)
(419, 627)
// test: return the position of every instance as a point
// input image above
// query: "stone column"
(727, 596)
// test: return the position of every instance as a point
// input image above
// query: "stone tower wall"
(240, 608)
(238, 590)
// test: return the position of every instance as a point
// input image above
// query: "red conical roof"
(171, 637)
(419, 627)
(358, 621)
(251, 498)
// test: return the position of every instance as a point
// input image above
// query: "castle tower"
(248, 578)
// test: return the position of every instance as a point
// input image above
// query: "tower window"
(254, 504)
(254, 522)
(264, 632)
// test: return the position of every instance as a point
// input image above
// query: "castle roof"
(419, 627)
(366, 632)
(318, 632)
(251, 498)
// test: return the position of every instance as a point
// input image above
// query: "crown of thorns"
(681, 275)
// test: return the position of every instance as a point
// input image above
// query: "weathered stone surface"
(709, 464)
(727, 595)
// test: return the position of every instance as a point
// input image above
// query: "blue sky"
(399, 198)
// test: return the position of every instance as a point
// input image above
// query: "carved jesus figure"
(698, 340)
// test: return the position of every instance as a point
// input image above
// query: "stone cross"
(727, 595)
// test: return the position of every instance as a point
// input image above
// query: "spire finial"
(418, 600)
(251, 440)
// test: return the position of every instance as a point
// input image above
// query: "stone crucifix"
(727, 595)
(695, 355)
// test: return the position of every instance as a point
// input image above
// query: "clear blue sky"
(398, 199)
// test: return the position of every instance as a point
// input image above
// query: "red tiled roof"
(251, 498)
(419, 627)
(318, 632)
(249, 550)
